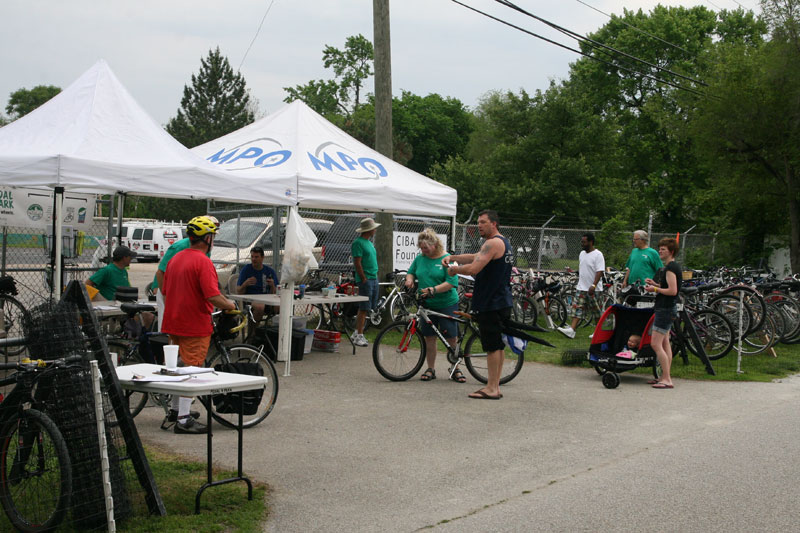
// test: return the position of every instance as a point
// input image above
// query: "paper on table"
(159, 377)
(185, 370)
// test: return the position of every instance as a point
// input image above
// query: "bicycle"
(130, 353)
(12, 315)
(35, 468)
(398, 352)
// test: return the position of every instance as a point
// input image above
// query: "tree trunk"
(793, 196)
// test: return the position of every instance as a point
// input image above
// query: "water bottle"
(302, 290)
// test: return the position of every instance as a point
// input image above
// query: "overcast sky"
(154, 47)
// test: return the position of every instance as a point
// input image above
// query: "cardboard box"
(328, 336)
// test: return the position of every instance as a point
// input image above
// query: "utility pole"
(383, 123)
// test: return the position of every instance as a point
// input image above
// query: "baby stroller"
(610, 337)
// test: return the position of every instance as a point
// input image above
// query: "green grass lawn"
(223, 508)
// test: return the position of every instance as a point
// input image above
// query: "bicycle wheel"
(733, 310)
(524, 310)
(402, 304)
(555, 309)
(476, 360)
(245, 353)
(312, 313)
(129, 355)
(715, 333)
(12, 316)
(754, 302)
(762, 338)
(397, 353)
(35, 472)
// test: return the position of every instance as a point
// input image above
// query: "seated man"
(257, 278)
(115, 274)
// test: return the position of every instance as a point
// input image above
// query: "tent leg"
(58, 205)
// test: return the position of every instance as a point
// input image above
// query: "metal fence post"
(541, 242)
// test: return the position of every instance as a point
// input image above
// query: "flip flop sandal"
(428, 375)
(458, 376)
(481, 395)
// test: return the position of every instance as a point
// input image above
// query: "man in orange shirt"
(191, 291)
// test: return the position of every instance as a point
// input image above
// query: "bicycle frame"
(454, 355)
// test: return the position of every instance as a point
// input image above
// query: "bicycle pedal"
(167, 425)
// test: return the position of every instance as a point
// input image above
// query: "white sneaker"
(360, 340)
(567, 331)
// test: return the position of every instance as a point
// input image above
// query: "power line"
(256, 35)
(580, 52)
(581, 38)
(631, 26)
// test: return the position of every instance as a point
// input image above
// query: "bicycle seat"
(688, 291)
(132, 309)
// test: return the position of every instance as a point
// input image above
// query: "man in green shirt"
(365, 261)
(115, 274)
(643, 262)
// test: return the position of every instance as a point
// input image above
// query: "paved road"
(346, 450)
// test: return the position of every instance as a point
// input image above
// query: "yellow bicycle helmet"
(200, 226)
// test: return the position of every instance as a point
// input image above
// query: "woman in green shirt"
(433, 279)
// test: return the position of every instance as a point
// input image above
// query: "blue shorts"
(662, 323)
(368, 287)
(446, 326)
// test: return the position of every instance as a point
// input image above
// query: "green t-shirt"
(108, 278)
(643, 263)
(430, 272)
(364, 249)
(177, 246)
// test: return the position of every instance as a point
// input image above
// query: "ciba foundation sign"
(266, 152)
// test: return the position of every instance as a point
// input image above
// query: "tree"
(750, 130)
(342, 95)
(23, 101)
(216, 104)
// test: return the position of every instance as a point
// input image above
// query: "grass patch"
(223, 508)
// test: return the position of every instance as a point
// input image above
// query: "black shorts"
(491, 325)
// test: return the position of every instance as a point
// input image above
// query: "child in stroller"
(619, 329)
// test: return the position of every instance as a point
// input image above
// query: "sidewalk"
(346, 450)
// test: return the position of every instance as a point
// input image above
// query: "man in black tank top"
(491, 298)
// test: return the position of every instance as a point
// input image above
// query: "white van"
(151, 240)
(254, 232)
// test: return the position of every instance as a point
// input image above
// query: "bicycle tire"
(246, 353)
(753, 300)
(761, 339)
(129, 355)
(791, 314)
(402, 305)
(728, 305)
(715, 333)
(397, 353)
(556, 309)
(524, 310)
(14, 315)
(35, 497)
(476, 361)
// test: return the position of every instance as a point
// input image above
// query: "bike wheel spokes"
(476, 360)
(715, 334)
(398, 353)
(258, 404)
(36, 479)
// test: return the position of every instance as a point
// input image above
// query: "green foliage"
(341, 95)
(23, 101)
(614, 240)
(216, 104)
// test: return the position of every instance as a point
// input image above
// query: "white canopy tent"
(296, 149)
(300, 150)
(94, 137)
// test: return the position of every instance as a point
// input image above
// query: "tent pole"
(285, 322)
(58, 199)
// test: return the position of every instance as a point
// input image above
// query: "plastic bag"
(298, 256)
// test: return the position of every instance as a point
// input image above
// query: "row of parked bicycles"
(724, 305)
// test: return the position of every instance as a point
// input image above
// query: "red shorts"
(192, 350)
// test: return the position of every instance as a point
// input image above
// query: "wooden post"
(383, 123)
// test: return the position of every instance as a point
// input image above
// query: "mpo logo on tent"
(263, 152)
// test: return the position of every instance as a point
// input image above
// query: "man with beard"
(592, 265)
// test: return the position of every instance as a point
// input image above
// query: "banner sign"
(33, 208)
(405, 248)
